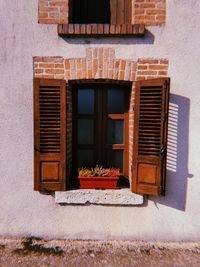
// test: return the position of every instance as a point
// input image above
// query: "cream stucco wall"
(25, 212)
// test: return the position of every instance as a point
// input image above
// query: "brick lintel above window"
(101, 29)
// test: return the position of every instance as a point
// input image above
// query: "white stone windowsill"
(121, 197)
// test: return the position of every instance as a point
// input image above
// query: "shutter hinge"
(36, 149)
(166, 84)
(163, 151)
(164, 116)
(161, 189)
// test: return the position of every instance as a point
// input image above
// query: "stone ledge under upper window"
(101, 30)
(121, 197)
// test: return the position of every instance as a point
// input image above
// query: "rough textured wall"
(25, 212)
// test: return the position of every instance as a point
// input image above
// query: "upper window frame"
(100, 95)
(120, 23)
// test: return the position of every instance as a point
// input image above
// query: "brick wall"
(49, 67)
(151, 68)
(99, 63)
(53, 11)
(148, 12)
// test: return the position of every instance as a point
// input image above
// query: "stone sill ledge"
(121, 197)
(101, 30)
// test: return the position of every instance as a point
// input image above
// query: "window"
(90, 11)
(100, 17)
(96, 108)
(100, 120)
(100, 11)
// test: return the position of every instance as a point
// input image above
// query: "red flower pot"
(98, 182)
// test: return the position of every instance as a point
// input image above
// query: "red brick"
(164, 61)
(54, 71)
(154, 23)
(67, 64)
(83, 66)
(160, 18)
(67, 75)
(139, 11)
(150, 18)
(43, 15)
(148, 72)
(155, 11)
(148, 61)
(122, 65)
(164, 73)
(139, 1)
(54, 15)
(46, 65)
(140, 78)
(62, 77)
(157, 67)
(38, 70)
(38, 59)
(94, 66)
(89, 74)
(147, 5)
(121, 75)
(59, 65)
(142, 67)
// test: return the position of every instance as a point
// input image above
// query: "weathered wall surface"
(25, 212)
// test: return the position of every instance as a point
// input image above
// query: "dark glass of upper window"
(90, 11)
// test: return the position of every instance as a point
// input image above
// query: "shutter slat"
(50, 134)
(121, 12)
(150, 136)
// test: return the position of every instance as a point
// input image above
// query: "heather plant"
(99, 171)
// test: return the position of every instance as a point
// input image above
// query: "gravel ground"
(37, 252)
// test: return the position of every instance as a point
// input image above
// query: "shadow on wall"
(148, 38)
(177, 154)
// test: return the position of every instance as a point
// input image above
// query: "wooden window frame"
(74, 20)
(50, 135)
(125, 117)
(120, 23)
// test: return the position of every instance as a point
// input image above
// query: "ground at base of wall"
(38, 252)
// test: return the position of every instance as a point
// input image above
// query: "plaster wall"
(24, 212)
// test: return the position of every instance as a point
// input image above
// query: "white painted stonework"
(24, 212)
(121, 197)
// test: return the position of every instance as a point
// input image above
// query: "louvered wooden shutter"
(150, 136)
(49, 134)
(121, 11)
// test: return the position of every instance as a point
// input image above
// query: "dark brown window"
(100, 17)
(90, 11)
(100, 119)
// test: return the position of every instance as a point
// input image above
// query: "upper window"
(90, 11)
(100, 17)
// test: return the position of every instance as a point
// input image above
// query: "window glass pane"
(90, 11)
(85, 131)
(115, 159)
(115, 133)
(86, 101)
(116, 101)
(85, 158)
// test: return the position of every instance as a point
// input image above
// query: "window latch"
(163, 151)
